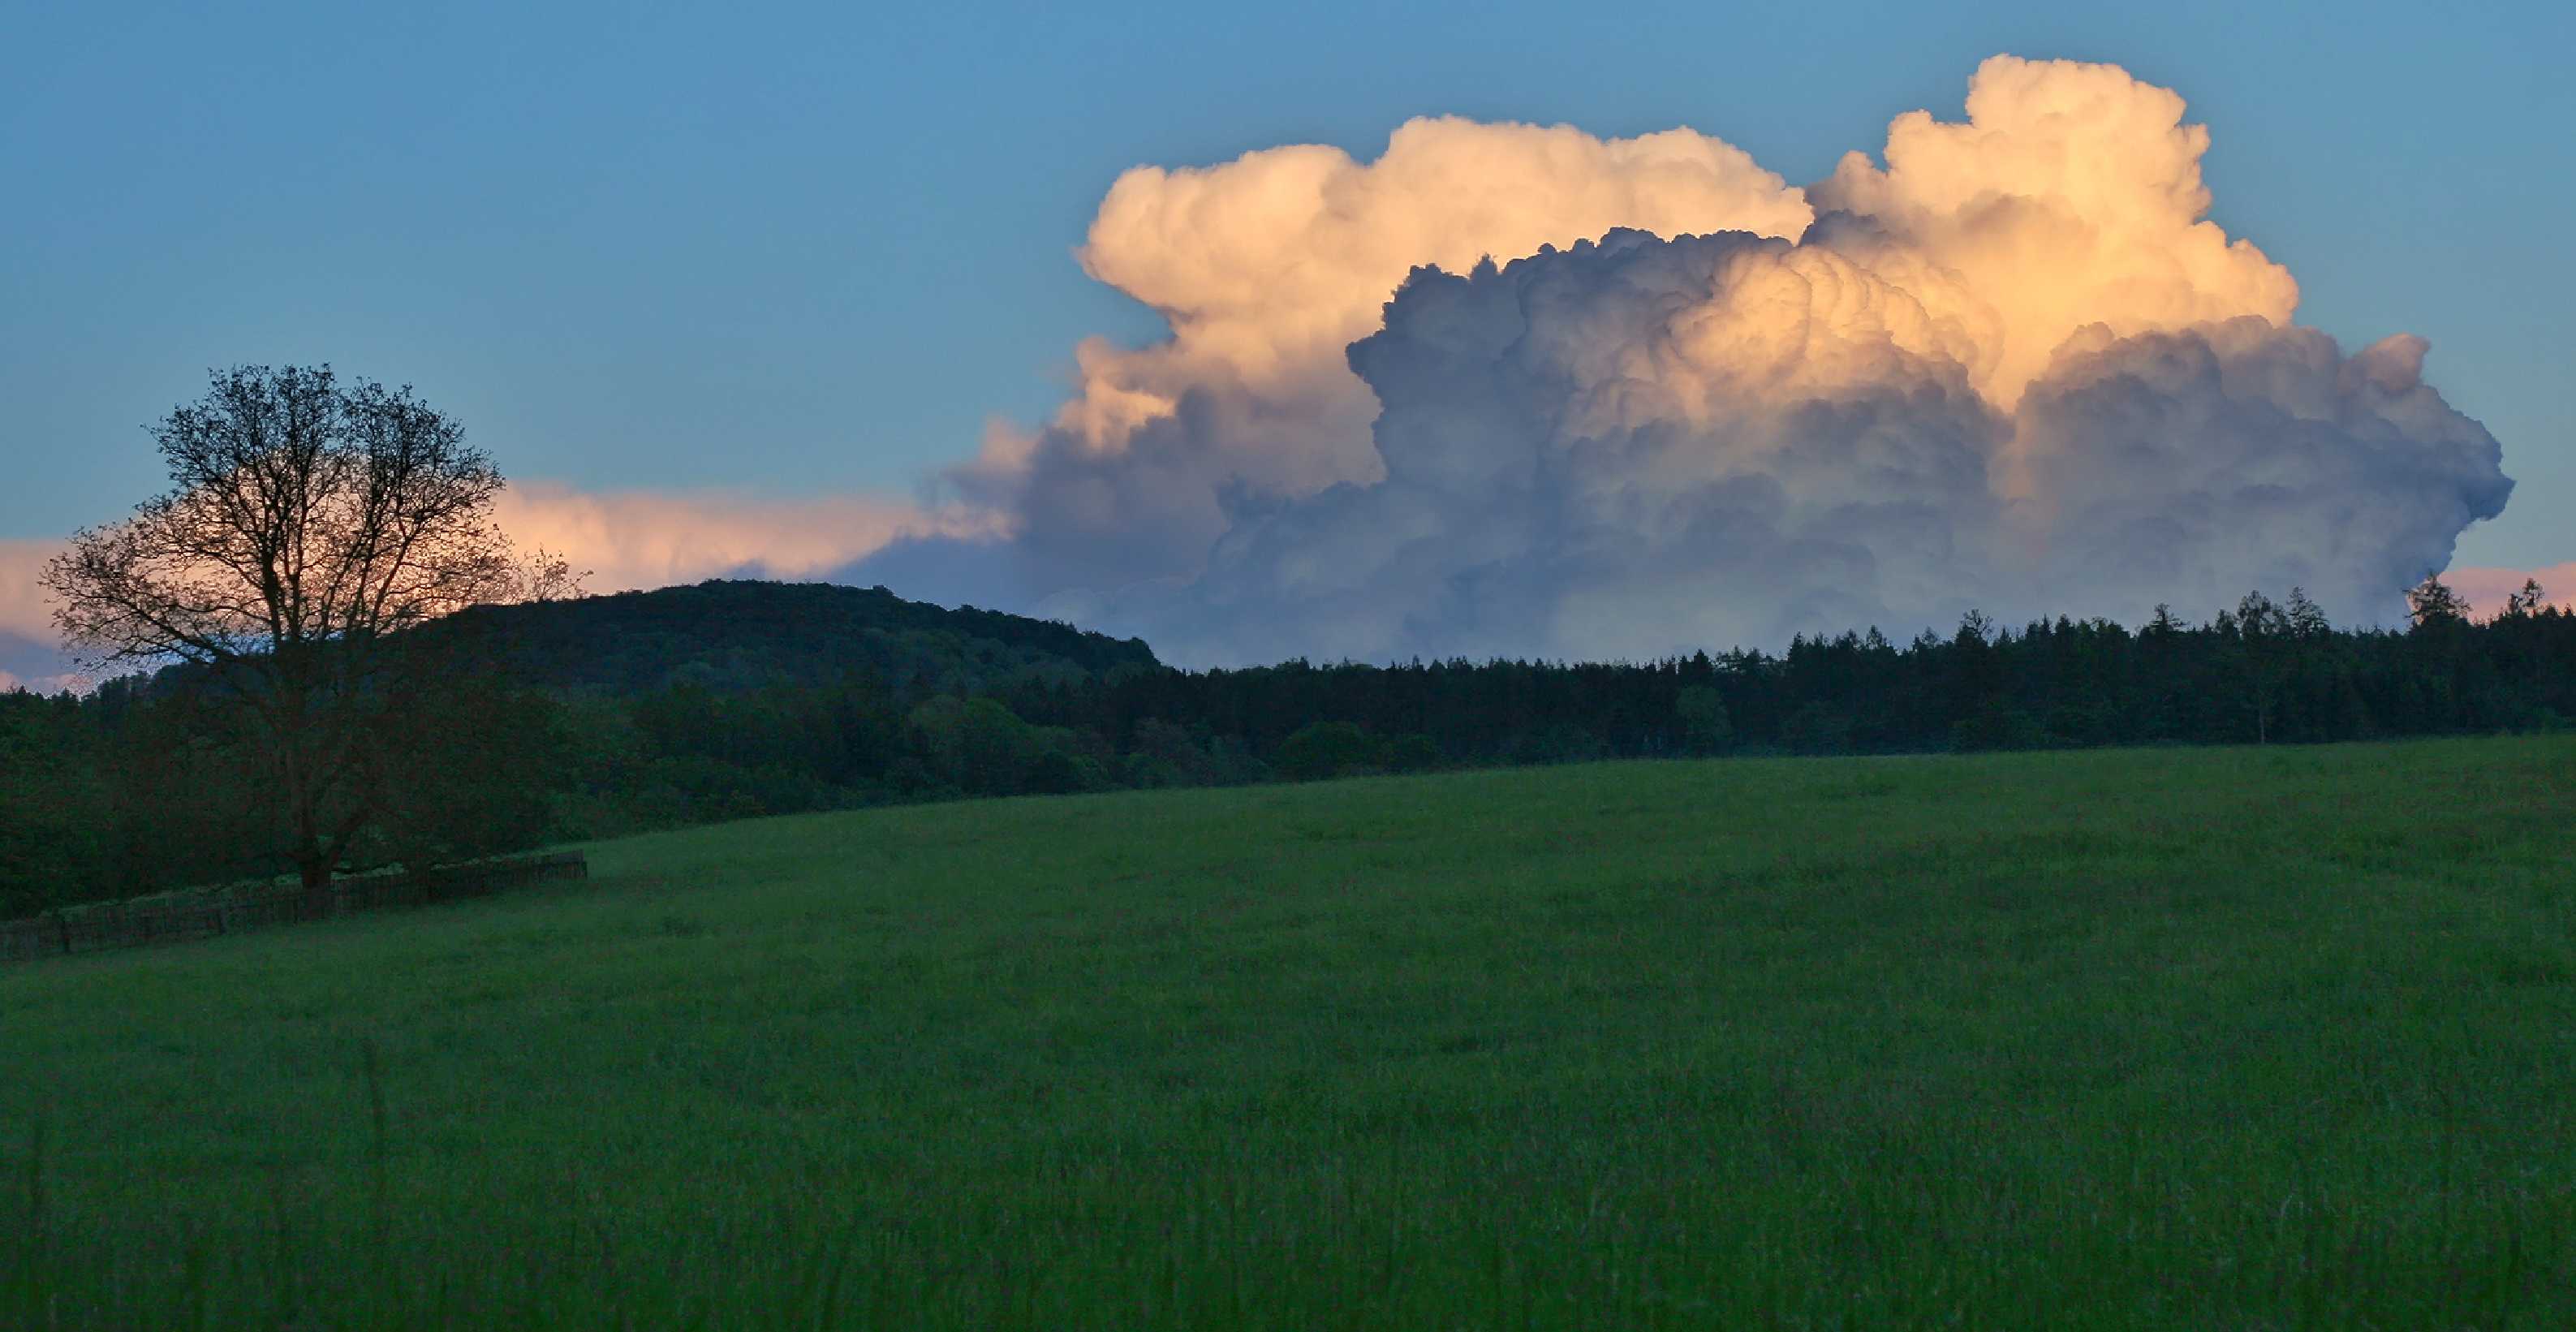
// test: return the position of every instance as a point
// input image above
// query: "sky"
(787, 266)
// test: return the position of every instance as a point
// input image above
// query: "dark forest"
(566, 720)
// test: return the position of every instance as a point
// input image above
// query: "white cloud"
(2071, 196)
(1267, 267)
(2009, 364)
(2013, 365)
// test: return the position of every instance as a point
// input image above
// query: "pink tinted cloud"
(2486, 589)
(22, 604)
(624, 539)
(648, 539)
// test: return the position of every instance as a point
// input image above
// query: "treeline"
(2261, 673)
(151, 784)
(725, 700)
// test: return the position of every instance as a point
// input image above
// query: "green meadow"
(2219, 1038)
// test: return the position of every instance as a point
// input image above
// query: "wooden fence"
(133, 924)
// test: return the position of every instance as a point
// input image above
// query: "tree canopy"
(310, 524)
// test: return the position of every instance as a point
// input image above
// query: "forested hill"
(733, 636)
(589, 718)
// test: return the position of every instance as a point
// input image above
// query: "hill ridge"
(747, 633)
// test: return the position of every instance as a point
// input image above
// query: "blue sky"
(799, 248)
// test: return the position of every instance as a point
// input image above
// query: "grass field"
(2231, 1038)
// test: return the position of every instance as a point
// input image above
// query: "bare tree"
(309, 526)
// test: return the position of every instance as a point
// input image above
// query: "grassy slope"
(2185, 1038)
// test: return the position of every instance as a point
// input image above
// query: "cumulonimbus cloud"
(1267, 268)
(2010, 364)
(1517, 389)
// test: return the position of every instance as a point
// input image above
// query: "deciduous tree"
(310, 526)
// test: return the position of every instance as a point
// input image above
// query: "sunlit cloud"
(1520, 389)
(1267, 268)
(646, 539)
(2486, 589)
(23, 611)
(620, 540)
(1506, 390)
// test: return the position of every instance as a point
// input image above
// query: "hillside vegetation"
(748, 635)
(594, 717)
(2169, 1038)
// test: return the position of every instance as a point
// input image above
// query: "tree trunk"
(315, 870)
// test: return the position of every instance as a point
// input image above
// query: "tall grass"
(2236, 1038)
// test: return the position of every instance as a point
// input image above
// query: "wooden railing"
(92, 929)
